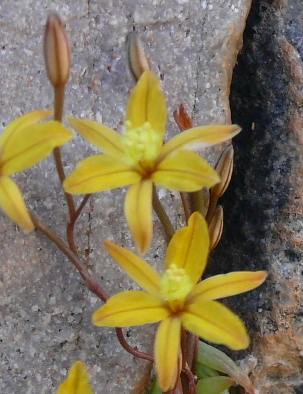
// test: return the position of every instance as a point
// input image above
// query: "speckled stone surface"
(45, 309)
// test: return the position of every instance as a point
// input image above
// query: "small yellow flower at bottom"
(77, 381)
(177, 300)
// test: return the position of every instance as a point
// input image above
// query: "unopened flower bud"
(224, 168)
(216, 227)
(138, 62)
(57, 51)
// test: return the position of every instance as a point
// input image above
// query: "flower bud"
(57, 52)
(216, 227)
(224, 168)
(138, 62)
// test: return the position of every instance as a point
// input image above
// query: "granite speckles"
(45, 308)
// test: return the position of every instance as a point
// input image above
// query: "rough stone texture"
(45, 309)
(264, 203)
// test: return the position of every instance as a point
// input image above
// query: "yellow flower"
(77, 381)
(177, 300)
(139, 158)
(23, 143)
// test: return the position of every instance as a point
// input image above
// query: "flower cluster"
(178, 299)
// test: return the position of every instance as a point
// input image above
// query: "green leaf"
(214, 385)
(215, 359)
(202, 371)
(155, 389)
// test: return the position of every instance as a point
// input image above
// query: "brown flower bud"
(224, 168)
(57, 53)
(216, 227)
(138, 62)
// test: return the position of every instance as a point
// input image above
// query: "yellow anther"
(175, 284)
(142, 144)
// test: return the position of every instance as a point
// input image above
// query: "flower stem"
(163, 217)
(89, 281)
(186, 202)
(130, 349)
(71, 225)
(58, 113)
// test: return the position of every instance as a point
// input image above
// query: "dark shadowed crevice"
(259, 189)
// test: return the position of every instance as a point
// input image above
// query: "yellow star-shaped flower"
(77, 381)
(24, 143)
(177, 299)
(140, 158)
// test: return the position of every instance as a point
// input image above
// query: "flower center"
(175, 284)
(142, 144)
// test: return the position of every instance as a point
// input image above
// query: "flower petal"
(185, 171)
(167, 352)
(142, 272)
(77, 381)
(200, 137)
(27, 146)
(226, 285)
(108, 140)
(189, 247)
(215, 323)
(147, 103)
(12, 203)
(130, 308)
(20, 123)
(98, 173)
(138, 212)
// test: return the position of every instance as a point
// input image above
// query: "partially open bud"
(57, 53)
(138, 62)
(216, 227)
(224, 168)
(182, 118)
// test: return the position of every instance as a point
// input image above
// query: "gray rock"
(45, 308)
(264, 203)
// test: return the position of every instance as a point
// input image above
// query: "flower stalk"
(57, 56)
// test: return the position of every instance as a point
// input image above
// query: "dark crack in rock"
(264, 204)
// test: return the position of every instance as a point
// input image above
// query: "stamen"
(175, 284)
(142, 144)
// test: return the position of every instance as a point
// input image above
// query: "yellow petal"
(215, 323)
(108, 140)
(226, 285)
(142, 272)
(98, 173)
(189, 247)
(27, 146)
(147, 103)
(138, 212)
(12, 203)
(167, 352)
(200, 137)
(20, 123)
(77, 381)
(130, 308)
(185, 171)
